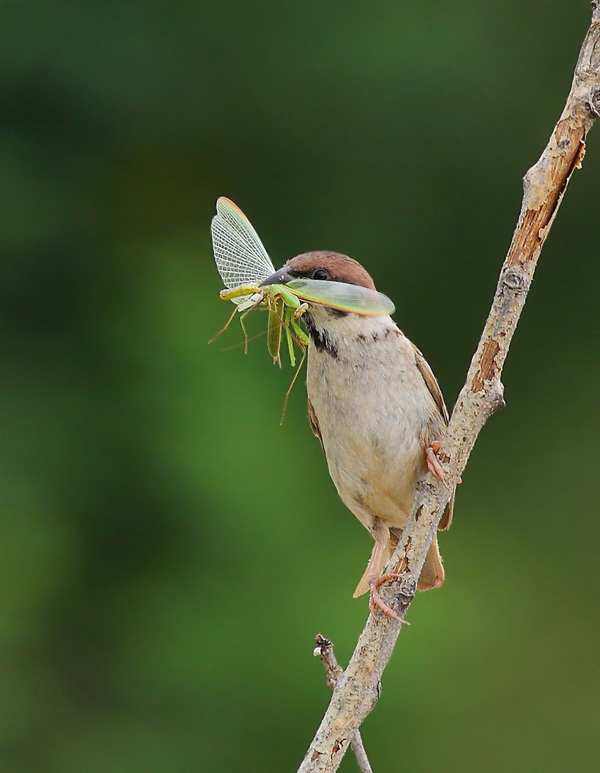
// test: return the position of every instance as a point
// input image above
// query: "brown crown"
(340, 267)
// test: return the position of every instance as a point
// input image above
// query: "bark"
(357, 688)
(324, 650)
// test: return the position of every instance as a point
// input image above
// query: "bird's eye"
(321, 273)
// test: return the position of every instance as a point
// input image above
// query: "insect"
(249, 278)
(243, 264)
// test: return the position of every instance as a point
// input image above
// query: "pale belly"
(372, 422)
(374, 480)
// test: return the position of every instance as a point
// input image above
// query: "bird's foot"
(433, 463)
(376, 602)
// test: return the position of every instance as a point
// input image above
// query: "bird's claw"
(433, 463)
(376, 602)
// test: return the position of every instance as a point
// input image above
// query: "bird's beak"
(280, 277)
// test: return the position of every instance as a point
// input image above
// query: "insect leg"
(274, 329)
(302, 338)
(300, 310)
(289, 298)
(243, 317)
(289, 338)
(224, 328)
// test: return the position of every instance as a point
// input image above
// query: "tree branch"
(356, 690)
(324, 650)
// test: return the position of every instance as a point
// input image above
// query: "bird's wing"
(431, 383)
(436, 393)
(314, 424)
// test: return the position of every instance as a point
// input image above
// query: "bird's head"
(325, 266)
(347, 307)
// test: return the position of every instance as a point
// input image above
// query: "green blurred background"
(168, 550)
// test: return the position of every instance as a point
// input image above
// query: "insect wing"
(342, 296)
(239, 253)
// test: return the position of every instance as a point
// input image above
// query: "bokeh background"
(168, 551)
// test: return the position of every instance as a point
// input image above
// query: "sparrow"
(377, 409)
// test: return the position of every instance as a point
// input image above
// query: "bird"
(377, 409)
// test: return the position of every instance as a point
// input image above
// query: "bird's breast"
(372, 408)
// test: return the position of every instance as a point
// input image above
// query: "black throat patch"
(320, 338)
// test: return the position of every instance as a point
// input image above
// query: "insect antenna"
(291, 386)
(241, 343)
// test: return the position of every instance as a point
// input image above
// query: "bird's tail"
(432, 574)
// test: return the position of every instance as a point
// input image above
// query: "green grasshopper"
(244, 264)
(284, 310)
